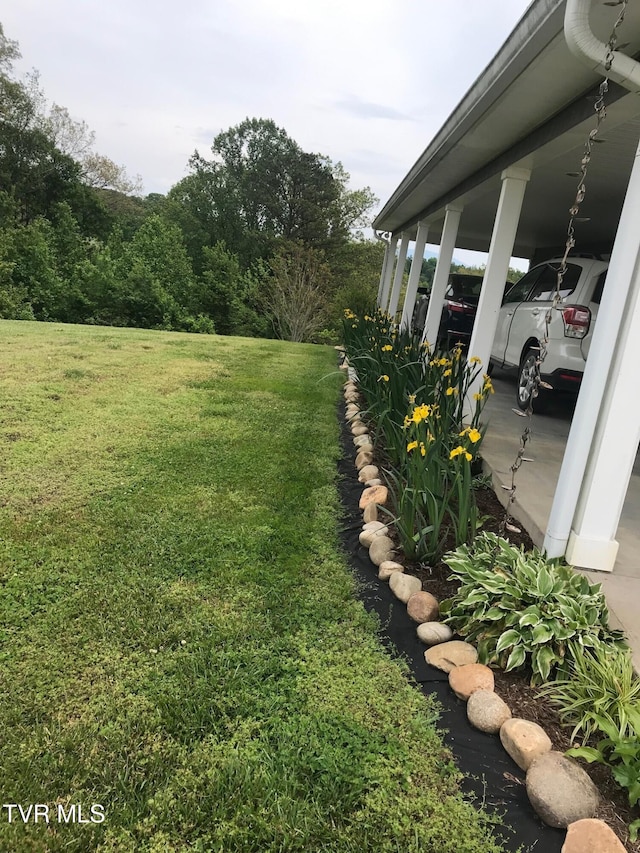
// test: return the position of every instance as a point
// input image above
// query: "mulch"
(474, 751)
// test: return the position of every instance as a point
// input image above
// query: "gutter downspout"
(590, 50)
(626, 71)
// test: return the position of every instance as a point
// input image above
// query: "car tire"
(526, 377)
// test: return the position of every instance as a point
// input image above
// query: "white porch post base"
(585, 553)
(397, 281)
(414, 276)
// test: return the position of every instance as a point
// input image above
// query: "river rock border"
(559, 790)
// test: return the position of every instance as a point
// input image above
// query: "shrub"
(522, 610)
(601, 692)
(416, 400)
(622, 755)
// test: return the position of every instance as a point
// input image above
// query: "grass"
(181, 643)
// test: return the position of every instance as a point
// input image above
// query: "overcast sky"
(366, 82)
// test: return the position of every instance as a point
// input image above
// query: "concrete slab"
(535, 487)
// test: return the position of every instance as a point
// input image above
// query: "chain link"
(581, 191)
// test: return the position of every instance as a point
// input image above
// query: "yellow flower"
(412, 398)
(451, 391)
(443, 362)
(407, 421)
(477, 396)
(423, 449)
(447, 372)
(465, 431)
(474, 435)
(387, 348)
(421, 413)
(475, 360)
(383, 378)
(411, 446)
(460, 451)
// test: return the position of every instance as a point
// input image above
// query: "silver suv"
(521, 324)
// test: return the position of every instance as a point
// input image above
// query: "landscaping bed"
(543, 628)
(525, 701)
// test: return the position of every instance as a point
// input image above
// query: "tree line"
(261, 238)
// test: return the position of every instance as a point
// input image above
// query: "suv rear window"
(545, 286)
(464, 286)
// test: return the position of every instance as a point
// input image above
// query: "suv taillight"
(577, 320)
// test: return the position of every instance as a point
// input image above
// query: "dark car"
(459, 310)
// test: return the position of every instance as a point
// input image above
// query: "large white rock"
(423, 607)
(465, 680)
(364, 438)
(381, 549)
(370, 512)
(364, 457)
(560, 791)
(369, 472)
(404, 586)
(367, 536)
(487, 711)
(374, 495)
(446, 656)
(524, 741)
(433, 633)
(591, 836)
(387, 568)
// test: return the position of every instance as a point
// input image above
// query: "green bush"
(416, 400)
(622, 755)
(522, 610)
(601, 692)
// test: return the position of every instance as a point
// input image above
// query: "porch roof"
(533, 106)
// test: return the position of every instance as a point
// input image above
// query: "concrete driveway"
(535, 487)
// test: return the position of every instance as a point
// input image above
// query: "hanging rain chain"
(537, 381)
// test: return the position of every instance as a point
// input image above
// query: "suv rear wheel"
(526, 379)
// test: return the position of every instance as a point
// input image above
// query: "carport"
(500, 177)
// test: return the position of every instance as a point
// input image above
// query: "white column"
(385, 263)
(388, 272)
(397, 281)
(441, 275)
(414, 276)
(592, 543)
(593, 391)
(514, 183)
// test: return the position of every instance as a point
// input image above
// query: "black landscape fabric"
(491, 776)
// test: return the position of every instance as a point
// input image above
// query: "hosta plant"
(521, 610)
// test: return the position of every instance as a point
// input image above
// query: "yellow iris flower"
(460, 451)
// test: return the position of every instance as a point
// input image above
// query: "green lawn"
(181, 643)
